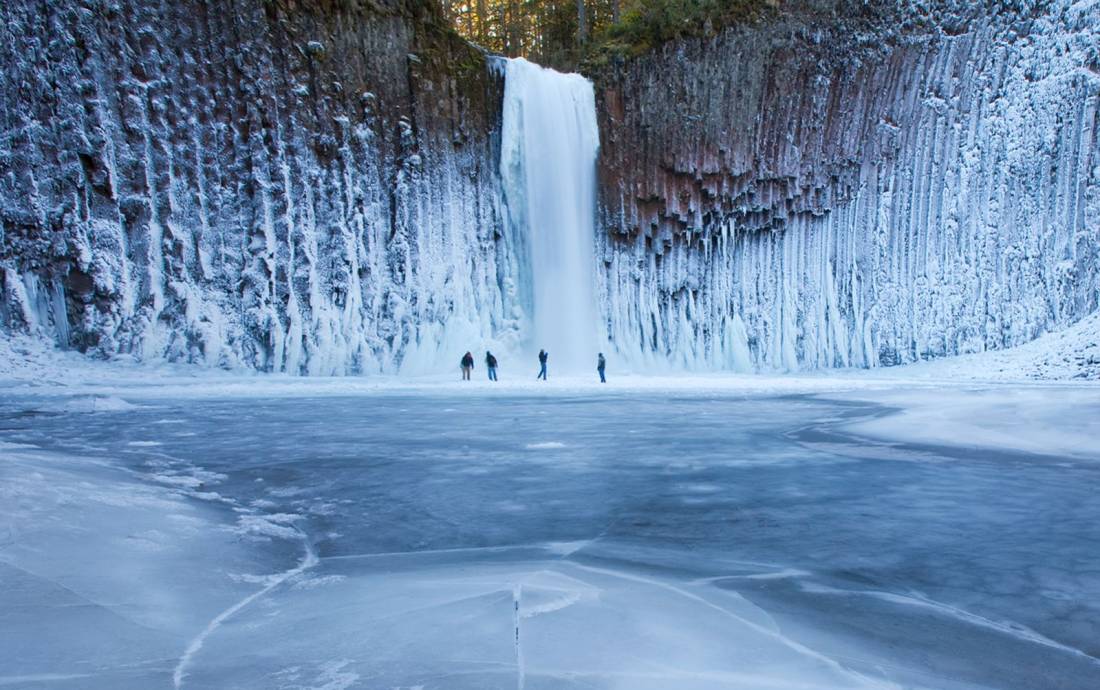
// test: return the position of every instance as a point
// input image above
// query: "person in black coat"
(543, 356)
(491, 365)
(467, 366)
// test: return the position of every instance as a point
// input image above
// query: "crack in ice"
(774, 634)
(309, 560)
(1011, 628)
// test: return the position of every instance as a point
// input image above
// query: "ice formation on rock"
(774, 201)
(324, 190)
(549, 141)
(286, 188)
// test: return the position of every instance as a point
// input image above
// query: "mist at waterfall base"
(549, 142)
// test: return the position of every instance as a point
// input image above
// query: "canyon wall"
(314, 186)
(807, 194)
(286, 185)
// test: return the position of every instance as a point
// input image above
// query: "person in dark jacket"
(543, 356)
(491, 365)
(467, 366)
(601, 364)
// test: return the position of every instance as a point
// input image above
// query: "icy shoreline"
(33, 367)
(992, 400)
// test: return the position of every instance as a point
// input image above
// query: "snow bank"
(1058, 421)
(1071, 354)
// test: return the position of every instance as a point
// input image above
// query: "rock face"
(792, 196)
(314, 186)
(286, 185)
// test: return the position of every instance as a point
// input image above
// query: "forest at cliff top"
(570, 34)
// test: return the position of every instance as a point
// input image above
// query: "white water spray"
(548, 166)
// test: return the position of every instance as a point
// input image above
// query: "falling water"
(548, 165)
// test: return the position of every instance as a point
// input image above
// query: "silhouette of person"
(491, 365)
(543, 356)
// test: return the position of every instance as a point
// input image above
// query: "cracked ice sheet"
(102, 577)
(640, 516)
(507, 619)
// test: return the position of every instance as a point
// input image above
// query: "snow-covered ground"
(1072, 354)
(1069, 355)
(177, 527)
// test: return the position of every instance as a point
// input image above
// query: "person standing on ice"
(543, 356)
(491, 365)
(601, 364)
(467, 366)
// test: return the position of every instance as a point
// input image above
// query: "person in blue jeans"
(491, 365)
(543, 356)
(601, 364)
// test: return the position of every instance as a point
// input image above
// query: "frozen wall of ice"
(315, 187)
(309, 187)
(807, 194)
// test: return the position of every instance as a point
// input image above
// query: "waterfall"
(549, 141)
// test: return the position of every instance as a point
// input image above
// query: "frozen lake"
(633, 539)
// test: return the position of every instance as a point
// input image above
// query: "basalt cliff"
(835, 193)
(315, 187)
(286, 185)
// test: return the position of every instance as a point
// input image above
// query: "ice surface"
(103, 576)
(559, 536)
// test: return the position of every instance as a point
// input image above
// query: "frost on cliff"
(317, 188)
(311, 190)
(780, 198)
